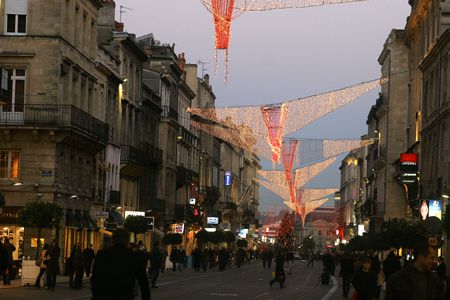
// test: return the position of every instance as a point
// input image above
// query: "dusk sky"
(281, 55)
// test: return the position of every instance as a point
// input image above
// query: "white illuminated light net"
(264, 5)
(298, 113)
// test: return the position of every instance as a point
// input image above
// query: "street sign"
(151, 223)
(227, 178)
(102, 214)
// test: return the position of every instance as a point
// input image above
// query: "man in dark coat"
(88, 256)
(52, 262)
(116, 270)
(269, 257)
(3, 259)
(156, 258)
(391, 265)
(365, 281)
(346, 273)
(417, 281)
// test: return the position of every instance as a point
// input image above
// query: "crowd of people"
(418, 276)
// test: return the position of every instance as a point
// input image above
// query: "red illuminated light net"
(288, 154)
(274, 118)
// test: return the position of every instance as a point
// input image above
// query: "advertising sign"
(134, 213)
(179, 228)
(212, 220)
(227, 178)
(435, 208)
(430, 208)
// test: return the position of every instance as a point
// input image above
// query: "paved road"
(249, 282)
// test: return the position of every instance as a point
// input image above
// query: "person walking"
(310, 259)
(88, 258)
(164, 258)
(42, 266)
(279, 270)
(264, 258)
(269, 258)
(181, 259)
(52, 262)
(10, 248)
(197, 256)
(417, 280)
(223, 259)
(3, 259)
(391, 265)
(156, 258)
(174, 258)
(116, 269)
(346, 273)
(365, 281)
(78, 266)
(204, 259)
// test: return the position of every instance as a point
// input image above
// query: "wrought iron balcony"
(169, 112)
(67, 117)
(131, 155)
(154, 154)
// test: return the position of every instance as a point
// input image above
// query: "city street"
(249, 282)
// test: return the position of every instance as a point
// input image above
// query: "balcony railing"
(169, 112)
(61, 116)
(154, 154)
(227, 205)
(157, 205)
(131, 154)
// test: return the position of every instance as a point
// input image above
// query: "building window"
(16, 17)
(320, 232)
(9, 164)
(17, 86)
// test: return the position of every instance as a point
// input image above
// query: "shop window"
(16, 17)
(9, 164)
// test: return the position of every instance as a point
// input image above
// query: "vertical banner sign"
(227, 178)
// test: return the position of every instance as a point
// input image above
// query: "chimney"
(181, 61)
(118, 26)
(206, 79)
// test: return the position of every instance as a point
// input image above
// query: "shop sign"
(9, 215)
(102, 214)
(179, 228)
(212, 220)
(134, 213)
(192, 201)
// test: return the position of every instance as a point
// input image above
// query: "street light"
(17, 183)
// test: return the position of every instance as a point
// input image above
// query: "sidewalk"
(17, 283)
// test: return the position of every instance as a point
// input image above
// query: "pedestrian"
(156, 259)
(223, 259)
(70, 265)
(78, 267)
(88, 256)
(164, 258)
(441, 269)
(204, 259)
(346, 273)
(391, 265)
(264, 258)
(240, 257)
(310, 260)
(116, 269)
(181, 259)
(416, 280)
(269, 258)
(41, 264)
(279, 270)
(174, 254)
(197, 256)
(3, 260)
(10, 248)
(52, 262)
(365, 281)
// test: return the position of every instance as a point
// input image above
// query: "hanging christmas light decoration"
(224, 11)
(336, 147)
(288, 153)
(274, 118)
(269, 123)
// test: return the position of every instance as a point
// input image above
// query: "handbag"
(38, 262)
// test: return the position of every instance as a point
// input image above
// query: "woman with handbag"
(40, 262)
